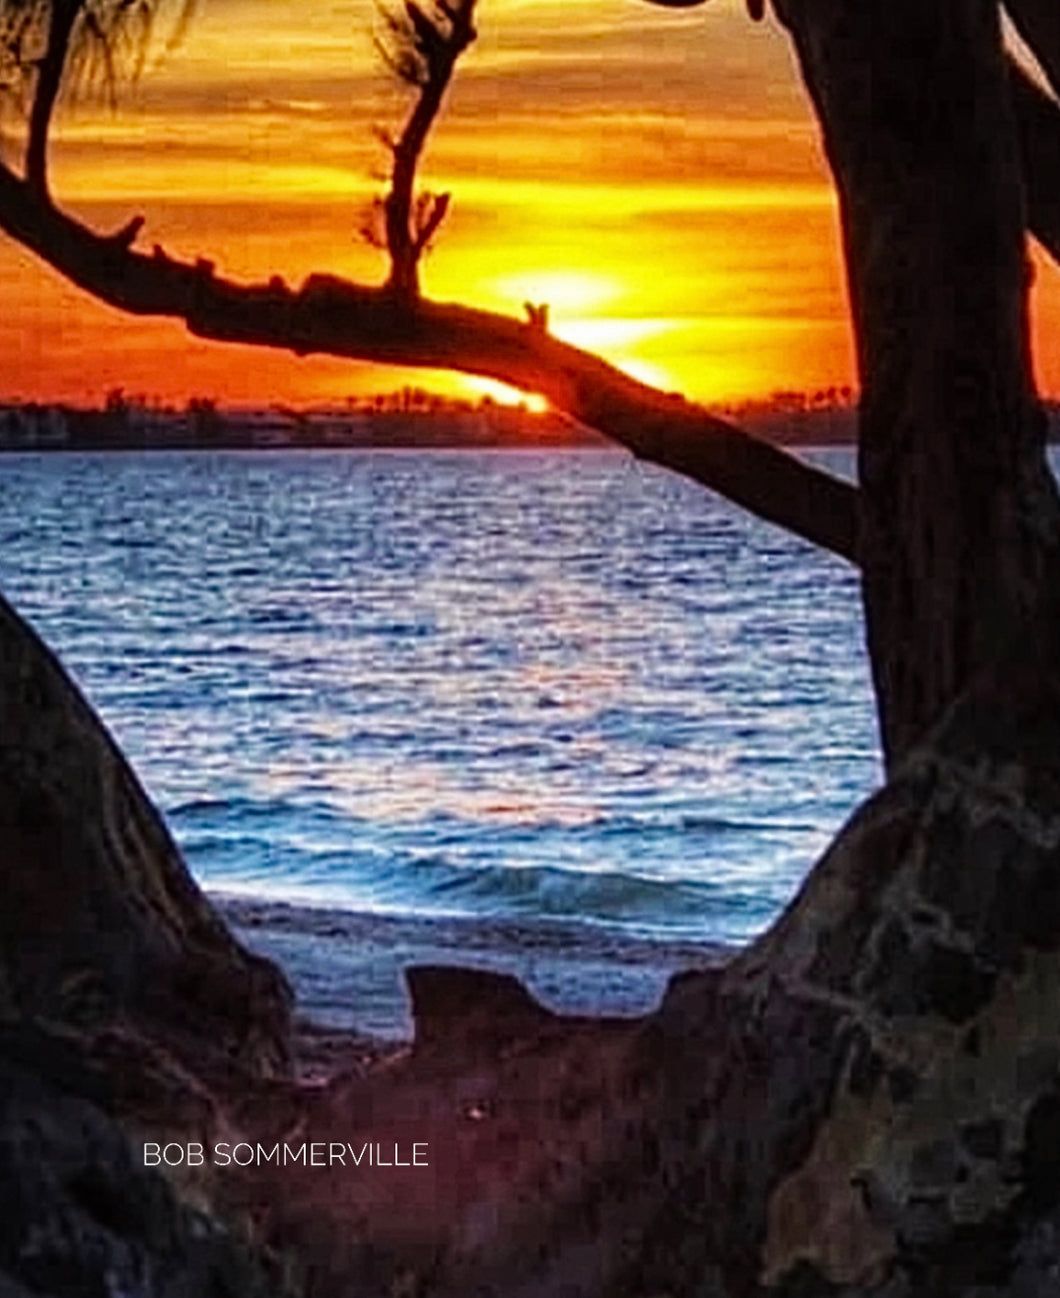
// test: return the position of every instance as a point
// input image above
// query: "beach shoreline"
(346, 966)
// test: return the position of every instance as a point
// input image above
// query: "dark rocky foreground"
(865, 1102)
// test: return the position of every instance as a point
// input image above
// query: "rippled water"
(537, 687)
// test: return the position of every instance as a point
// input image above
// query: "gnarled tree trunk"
(960, 518)
(866, 1101)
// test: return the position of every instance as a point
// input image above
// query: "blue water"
(555, 689)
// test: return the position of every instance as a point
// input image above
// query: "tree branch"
(334, 317)
(61, 21)
(1038, 127)
(1038, 118)
(1038, 23)
(428, 45)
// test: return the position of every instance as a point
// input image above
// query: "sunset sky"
(655, 176)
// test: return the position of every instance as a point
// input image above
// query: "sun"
(566, 292)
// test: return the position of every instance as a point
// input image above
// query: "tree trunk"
(960, 519)
(866, 1100)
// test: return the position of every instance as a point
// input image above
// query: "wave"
(379, 879)
(230, 815)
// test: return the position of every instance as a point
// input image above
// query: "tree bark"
(960, 521)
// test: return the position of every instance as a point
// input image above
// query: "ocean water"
(561, 713)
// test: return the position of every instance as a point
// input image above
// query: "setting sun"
(568, 293)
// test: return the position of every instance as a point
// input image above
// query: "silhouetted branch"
(47, 43)
(337, 318)
(1038, 22)
(1038, 118)
(60, 25)
(425, 45)
(1038, 125)
(430, 213)
(537, 316)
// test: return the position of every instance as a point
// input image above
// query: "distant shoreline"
(441, 426)
(122, 426)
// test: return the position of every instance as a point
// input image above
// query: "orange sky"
(654, 176)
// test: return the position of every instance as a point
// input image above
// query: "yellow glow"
(612, 333)
(563, 290)
(654, 375)
(501, 393)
